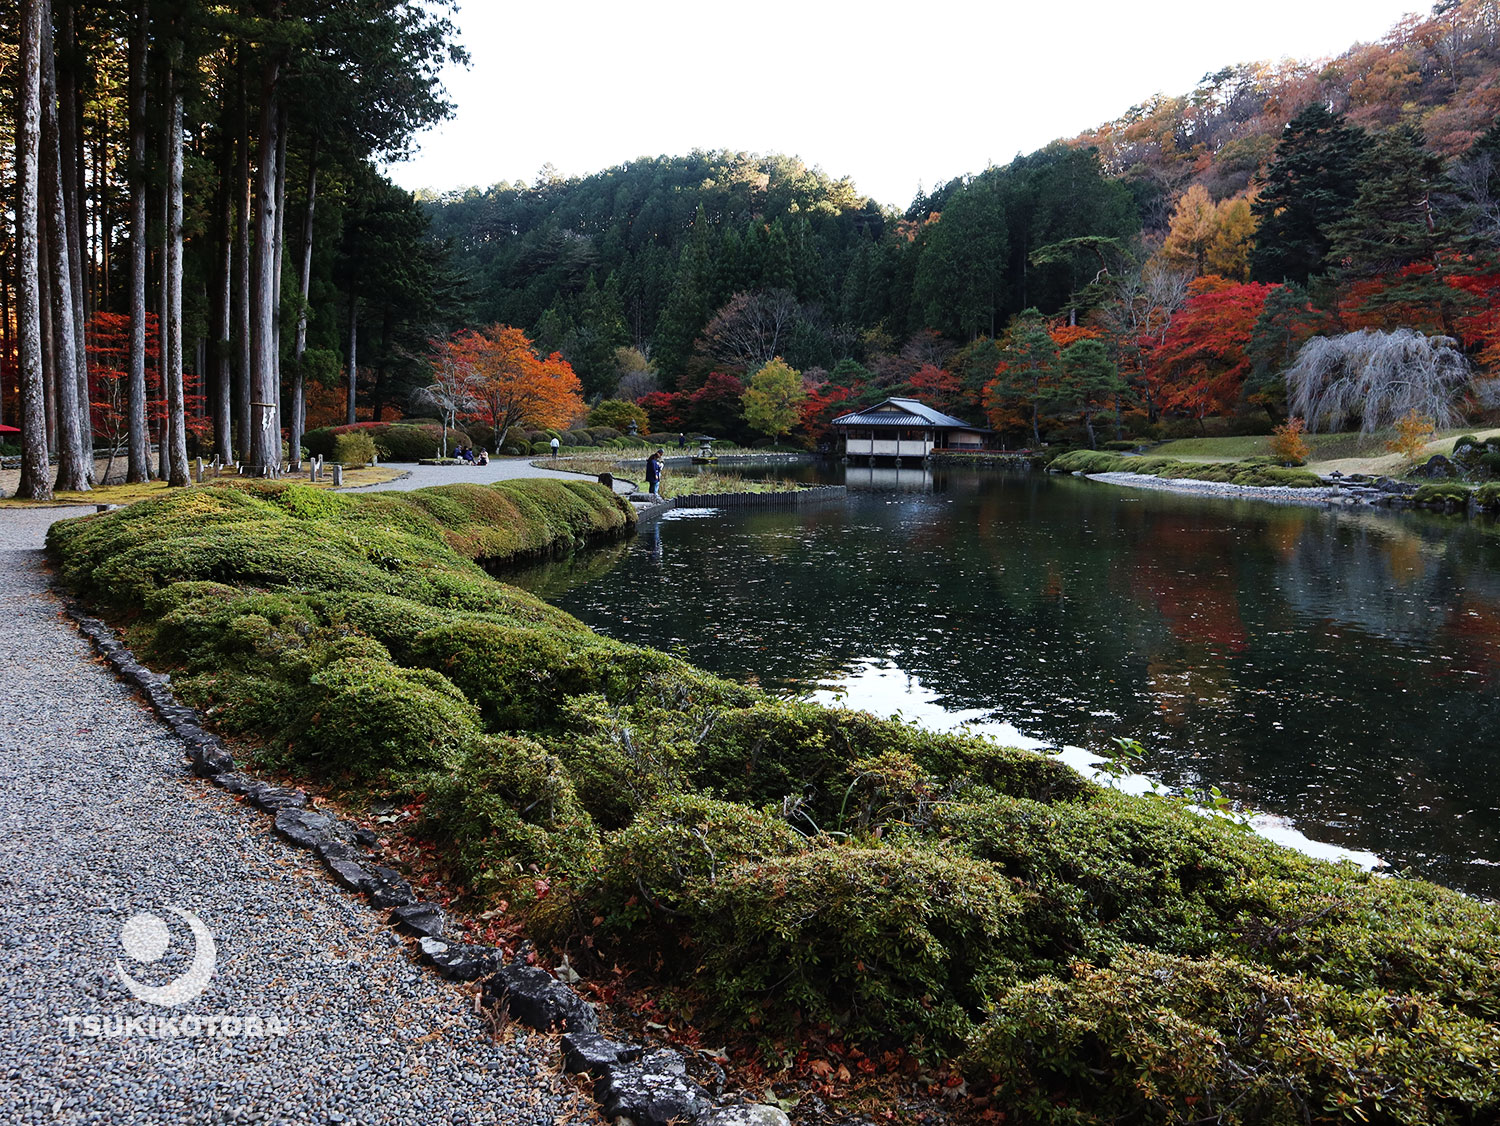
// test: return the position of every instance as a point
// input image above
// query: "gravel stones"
(98, 822)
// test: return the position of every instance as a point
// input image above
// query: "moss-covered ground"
(784, 869)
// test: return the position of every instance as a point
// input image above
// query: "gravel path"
(99, 821)
(499, 469)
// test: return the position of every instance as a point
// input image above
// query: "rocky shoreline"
(1349, 491)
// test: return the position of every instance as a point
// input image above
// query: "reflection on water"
(1335, 666)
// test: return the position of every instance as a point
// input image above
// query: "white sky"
(894, 95)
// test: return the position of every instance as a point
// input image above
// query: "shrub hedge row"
(395, 441)
(1106, 958)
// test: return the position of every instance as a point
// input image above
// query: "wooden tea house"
(904, 428)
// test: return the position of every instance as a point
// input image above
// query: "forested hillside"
(1200, 239)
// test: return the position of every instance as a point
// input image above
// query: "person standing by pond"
(653, 472)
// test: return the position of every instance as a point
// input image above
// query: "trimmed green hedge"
(1108, 958)
(396, 441)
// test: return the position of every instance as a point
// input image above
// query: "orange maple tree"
(514, 386)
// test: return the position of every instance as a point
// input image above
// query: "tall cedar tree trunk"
(49, 361)
(222, 302)
(103, 214)
(6, 270)
(299, 389)
(139, 468)
(70, 145)
(244, 332)
(280, 245)
(73, 451)
(353, 350)
(177, 461)
(265, 426)
(163, 314)
(35, 484)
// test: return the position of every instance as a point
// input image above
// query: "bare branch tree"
(1376, 377)
(455, 390)
(751, 328)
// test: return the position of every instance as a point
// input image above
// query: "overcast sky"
(894, 95)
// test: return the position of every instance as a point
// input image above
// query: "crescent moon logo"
(146, 937)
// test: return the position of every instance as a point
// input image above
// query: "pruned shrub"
(1157, 1038)
(353, 450)
(370, 717)
(887, 942)
(1442, 493)
(677, 848)
(510, 811)
(1089, 461)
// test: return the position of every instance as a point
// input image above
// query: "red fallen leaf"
(842, 1074)
(820, 1068)
(542, 887)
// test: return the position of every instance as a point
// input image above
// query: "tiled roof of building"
(907, 412)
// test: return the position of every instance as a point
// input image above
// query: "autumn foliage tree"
(1202, 362)
(512, 385)
(1210, 238)
(108, 336)
(773, 401)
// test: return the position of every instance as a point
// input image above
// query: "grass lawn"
(672, 484)
(1350, 452)
(704, 484)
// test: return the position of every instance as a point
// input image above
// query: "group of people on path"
(467, 455)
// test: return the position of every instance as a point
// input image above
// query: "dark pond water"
(1335, 667)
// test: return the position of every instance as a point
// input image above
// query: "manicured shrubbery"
(1157, 1038)
(395, 441)
(1108, 958)
(353, 450)
(1443, 492)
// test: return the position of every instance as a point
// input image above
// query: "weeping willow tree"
(1376, 377)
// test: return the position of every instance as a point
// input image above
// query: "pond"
(1336, 667)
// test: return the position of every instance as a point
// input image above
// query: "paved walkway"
(499, 469)
(99, 821)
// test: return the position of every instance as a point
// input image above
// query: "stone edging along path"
(644, 1086)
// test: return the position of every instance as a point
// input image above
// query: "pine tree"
(1395, 235)
(1087, 383)
(1310, 186)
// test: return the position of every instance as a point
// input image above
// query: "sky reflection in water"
(1335, 667)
